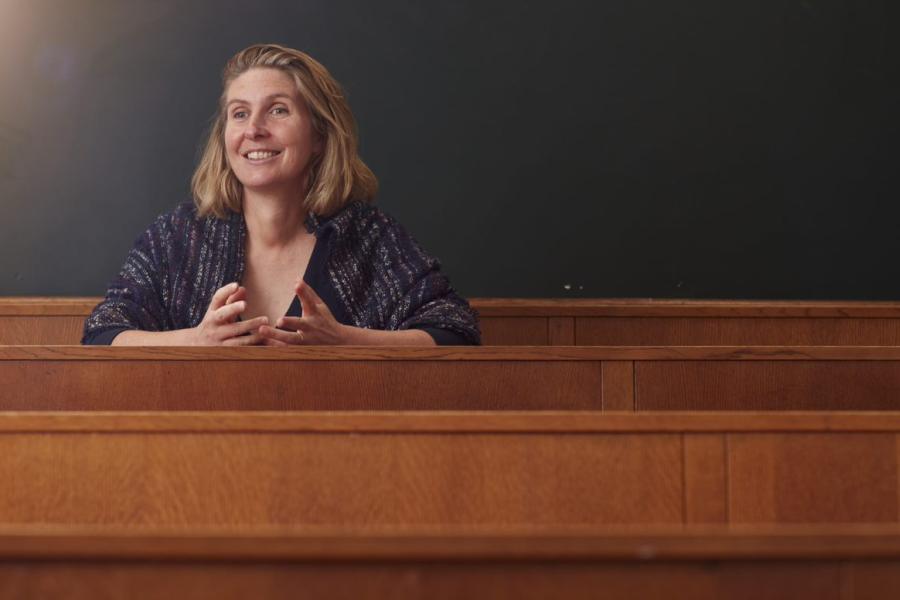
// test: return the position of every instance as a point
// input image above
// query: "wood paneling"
(298, 385)
(735, 331)
(47, 330)
(575, 563)
(515, 331)
(872, 580)
(80, 580)
(643, 307)
(346, 479)
(561, 331)
(812, 478)
(767, 385)
(447, 469)
(451, 378)
(627, 322)
(705, 479)
(618, 385)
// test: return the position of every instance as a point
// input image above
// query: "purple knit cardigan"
(368, 270)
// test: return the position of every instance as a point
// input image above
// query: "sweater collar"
(339, 222)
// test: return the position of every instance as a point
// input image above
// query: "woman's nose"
(255, 129)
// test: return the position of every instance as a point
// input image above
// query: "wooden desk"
(626, 322)
(448, 505)
(447, 470)
(642, 322)
(839, 562)
(486, 378)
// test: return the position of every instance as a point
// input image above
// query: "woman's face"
(269, 138)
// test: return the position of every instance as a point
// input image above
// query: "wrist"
(352, 336)
(188, 337)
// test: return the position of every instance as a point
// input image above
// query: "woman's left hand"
(316, 326)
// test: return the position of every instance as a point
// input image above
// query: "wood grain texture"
(349, 480)
(514, 331)
(625, 322)
(872, 580)
(35, 306)
(448, 422)
(446, 470)
(633, 563)
(494, 580)
(767, 385)
(298, 385)
(561, 331)
(705, 479)
(642, 307)
(43, 330)
(559, 307)
(812, 478)
(629, 543)
(618, 385)
(735, 331)
(456, 353)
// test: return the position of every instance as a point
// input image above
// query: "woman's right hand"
(220, 326)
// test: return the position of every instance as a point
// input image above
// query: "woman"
(281, 244)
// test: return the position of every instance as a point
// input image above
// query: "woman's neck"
(273, 221)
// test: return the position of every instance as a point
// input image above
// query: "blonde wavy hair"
(337, 174)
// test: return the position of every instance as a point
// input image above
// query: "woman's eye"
(239, 114)
(279, 110)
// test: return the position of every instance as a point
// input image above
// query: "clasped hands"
(221, 327)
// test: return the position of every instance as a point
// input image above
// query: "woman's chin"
(269, 187)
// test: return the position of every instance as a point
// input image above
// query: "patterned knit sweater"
(366, 268)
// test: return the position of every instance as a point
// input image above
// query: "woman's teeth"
(260, 155)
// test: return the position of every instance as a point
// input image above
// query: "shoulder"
(183, 222)
(366, 224)
(181, 234)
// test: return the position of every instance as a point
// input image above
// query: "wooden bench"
(445, 505)
(816, 563)
(439, 470)
(628, 322)
(448, 378)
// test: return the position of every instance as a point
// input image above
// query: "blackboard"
(623, 148)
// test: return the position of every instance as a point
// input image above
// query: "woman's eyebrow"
(268, 98)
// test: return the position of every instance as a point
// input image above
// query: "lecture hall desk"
(444, 505)
(345, 504)
(626, 322)
(450, 378)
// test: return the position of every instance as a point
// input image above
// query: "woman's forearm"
(134, 337)
(357, 336)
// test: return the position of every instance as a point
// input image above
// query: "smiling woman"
(281, 244)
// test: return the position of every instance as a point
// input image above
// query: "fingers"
(277, 335)
(254, 339)
(240, 294)
(309, 299)
(240, 328)
(218, 299)
(229, 312)
(293, 323)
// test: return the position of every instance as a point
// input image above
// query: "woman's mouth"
(260, 155)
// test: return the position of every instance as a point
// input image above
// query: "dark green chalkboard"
(630, 148)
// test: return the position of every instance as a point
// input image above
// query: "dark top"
(365, 267)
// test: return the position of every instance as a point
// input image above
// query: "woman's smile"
(261, 156)
(269, 137)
